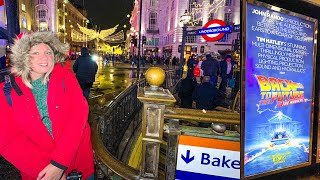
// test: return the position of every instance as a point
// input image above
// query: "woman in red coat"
(44, 131)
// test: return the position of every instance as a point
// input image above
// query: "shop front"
(167, 51)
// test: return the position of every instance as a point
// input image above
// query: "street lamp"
(185, 19)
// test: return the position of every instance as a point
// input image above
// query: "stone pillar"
(172, 149)
(154, 99)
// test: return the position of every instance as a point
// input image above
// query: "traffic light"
(144, 40)
(134, 40)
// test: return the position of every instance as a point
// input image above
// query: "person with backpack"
(44, 126)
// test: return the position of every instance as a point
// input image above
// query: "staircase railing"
(111, 124)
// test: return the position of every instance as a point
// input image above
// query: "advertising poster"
(279, 80)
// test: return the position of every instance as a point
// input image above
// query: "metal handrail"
(202, 116)
(107, 158)
(108, 131)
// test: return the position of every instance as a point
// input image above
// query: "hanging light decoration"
(197, 10)
(94, 34)
(77, 36)
(115, 38)
(111, 49)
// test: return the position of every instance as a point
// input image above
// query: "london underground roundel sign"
(214, 24)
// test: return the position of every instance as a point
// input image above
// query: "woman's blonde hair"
(21, 58)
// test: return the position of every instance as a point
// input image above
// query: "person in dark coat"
(188, 85)
(174, 61)
(85, 69)
(192, 63)
(210, 68)
(226, 74)
(205, 97)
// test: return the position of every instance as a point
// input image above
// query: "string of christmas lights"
(197, 10)
(93, 34)
(77, 36)
(115, 37)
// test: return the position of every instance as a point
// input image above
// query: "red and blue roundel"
(214, 24)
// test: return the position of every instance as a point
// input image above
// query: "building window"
(192, 4)
(202, 49)
(42, 2)
(152, 21)
(225, 38)
(43, 26)
(191, 39)
(228, 2)
(152, 42)
(171, 24)
(24, 23)
(153, 3)
(23, 7)
(227, 18)
(42, 14)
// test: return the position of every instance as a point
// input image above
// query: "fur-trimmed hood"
(20, 50)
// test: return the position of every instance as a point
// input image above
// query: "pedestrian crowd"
(208, 94)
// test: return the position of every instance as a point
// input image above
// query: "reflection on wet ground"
(111, 79)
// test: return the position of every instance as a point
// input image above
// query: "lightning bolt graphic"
(260, 111)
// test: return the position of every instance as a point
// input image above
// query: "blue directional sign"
(215, 30)
(205, 158)
(187, 158)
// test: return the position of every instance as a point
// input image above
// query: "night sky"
(108, 13)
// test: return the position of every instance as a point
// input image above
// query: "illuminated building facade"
(163, 30)
(26, 15)
(68, 16)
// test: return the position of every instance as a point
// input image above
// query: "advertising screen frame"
(244, 4)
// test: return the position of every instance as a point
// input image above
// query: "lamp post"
(139, 43)
(12, 13)
(185, 19)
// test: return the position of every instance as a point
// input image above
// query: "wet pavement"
(112, 79)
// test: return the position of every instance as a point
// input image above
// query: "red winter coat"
(25, 140)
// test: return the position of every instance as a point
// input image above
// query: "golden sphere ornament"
(155, 76)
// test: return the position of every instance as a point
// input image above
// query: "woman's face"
(41, 59)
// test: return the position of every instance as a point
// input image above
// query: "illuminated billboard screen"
(279, 79)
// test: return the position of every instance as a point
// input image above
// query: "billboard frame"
(243, 14)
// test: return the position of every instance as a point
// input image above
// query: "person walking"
(226, 74)
(174, 62)
(44, 127)
(210, 68)
(192, 63)
(205, 96)
(85, 69)
(186, 89)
